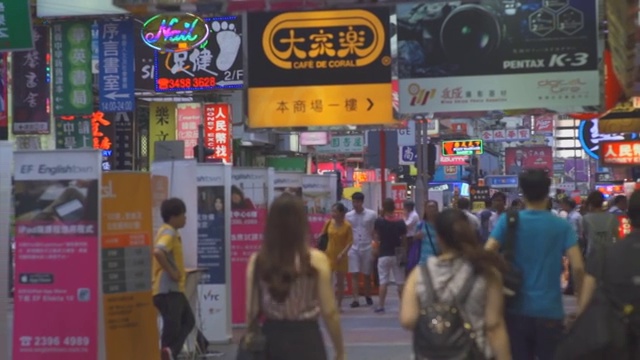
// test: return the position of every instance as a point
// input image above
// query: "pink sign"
(247, 227)
(188, 117)
(56, 278)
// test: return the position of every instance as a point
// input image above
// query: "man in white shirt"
(362, 221)
(411, 218)
(464, 205)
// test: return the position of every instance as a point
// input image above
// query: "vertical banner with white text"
(319, 194)
(251, 193)
(123, 148)
(57, 297)
(162, 124)
(188, 118)
(126, 225)
(214, 200)
(217, 131)
(116, 64)
(6, 161)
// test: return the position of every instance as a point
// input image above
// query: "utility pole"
(422, 180)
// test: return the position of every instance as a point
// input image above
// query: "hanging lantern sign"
(175, 33)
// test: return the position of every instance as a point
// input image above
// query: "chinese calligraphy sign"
(30, 86)
(162, 124)
(117, 83)
(72, 77)
(344, 144)
(15, 25)
(73, 132)
(101, 132)
(217, 131)
(218, 64)
(620, 152)
(188, 118)
(124, 146)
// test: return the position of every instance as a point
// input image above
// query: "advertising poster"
(130, 317)
(488, 55)
(188, 118)
(6, 161)
(116, 53)
(576, 170)
(319, 194)
(287, 183)
(162, 124)
(213, 205)
(30, 93)
(218, 64)
(72, 75)
(530, 157)
(159, 193)
(56, 307)
(319, 68)
(250, 196)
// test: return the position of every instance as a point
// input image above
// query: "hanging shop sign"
(15, 27)
(625, 152)
(116, 81)
(462, 147)
(217, 131)
(162, 124)
(188, 118)
(343, 144)
(175, 33)
(217, 63)
(319, 68)
(124, 145)
(73, 132)
(506, 135)
(31, 111)
(103, 134)
(72, 75)
(145, 61)
(590, 137)
(456, 56)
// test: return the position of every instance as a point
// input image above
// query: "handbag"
(323, 240)
(253, 344)
(512, 278)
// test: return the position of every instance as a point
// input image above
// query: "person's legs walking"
(521, 331)
(548, 335)
(354, 272)
(384, 272)
(366, 268)
(171, 320)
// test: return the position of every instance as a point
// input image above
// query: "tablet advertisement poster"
(56, 302)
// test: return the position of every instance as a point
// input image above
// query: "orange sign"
(100, 140)
(217, 131)
(126, 226)
(625, 152)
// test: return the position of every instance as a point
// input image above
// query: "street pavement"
(367, 336)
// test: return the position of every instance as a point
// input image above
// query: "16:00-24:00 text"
(198, 82)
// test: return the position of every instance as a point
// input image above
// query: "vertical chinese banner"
(73, 132)
(399, 196)
(318, 196)
(116, 65)
(30, 88)
(4, 115)
(188, 117)
(124, 144)
(6, 161)
(624, 226)
(16, 25)
(162, 124)
(126, 225)
(212, 251)
(103, 133)
(217, 131)
(72, 77)
(57, 295)
(249, 201)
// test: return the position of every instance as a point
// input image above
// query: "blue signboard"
(501, 181)
(590, 137)
(408, 155)
(116, 64)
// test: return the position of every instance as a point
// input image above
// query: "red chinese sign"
(543, 124)
(399, 196)
(217, 131)
(620, 152)
(100, 140)
(188, 117)
(624, 226)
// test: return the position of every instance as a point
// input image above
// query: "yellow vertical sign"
(162, 124)
(129, 314)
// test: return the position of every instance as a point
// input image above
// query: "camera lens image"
(470, 34)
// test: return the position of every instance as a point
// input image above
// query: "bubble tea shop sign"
(175, 33)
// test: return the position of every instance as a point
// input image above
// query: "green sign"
(15, 27)
(292, 164)
(72, 77)
(73, 134)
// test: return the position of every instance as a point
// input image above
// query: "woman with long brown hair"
(461, 261)
(294, 287)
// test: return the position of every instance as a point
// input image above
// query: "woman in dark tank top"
(295, 287)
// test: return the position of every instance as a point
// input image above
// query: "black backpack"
(443, 330)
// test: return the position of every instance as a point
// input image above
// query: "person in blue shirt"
(535, 316)
(427, 231)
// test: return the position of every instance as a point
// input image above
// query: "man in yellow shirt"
(168, 280)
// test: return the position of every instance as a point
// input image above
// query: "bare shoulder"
(319, 259)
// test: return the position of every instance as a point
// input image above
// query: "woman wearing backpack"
(454, 302)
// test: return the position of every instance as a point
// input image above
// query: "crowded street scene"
(319, 179)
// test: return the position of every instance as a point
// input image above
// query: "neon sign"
(169, 33)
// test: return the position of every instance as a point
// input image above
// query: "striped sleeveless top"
(301, 304)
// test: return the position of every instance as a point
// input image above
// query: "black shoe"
(369, 301)
(355, 304)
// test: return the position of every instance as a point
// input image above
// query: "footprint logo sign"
(229, 42)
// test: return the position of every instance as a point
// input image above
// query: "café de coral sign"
(175, 33)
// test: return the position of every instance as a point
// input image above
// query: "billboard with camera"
(484, 55)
